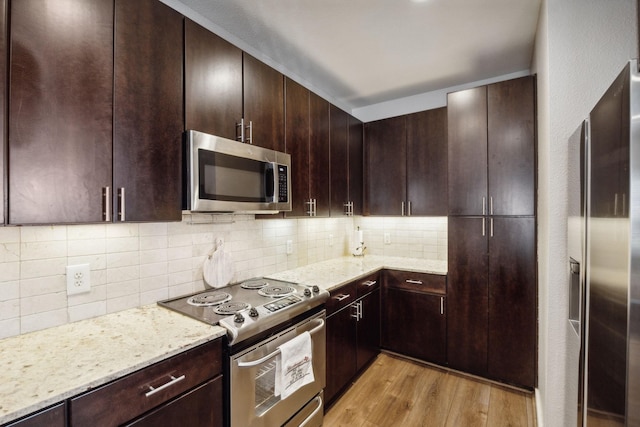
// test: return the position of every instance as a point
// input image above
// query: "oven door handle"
(313, 414)
(277, 351)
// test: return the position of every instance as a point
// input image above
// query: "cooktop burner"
(209, 298)
(231, 307)
(277, 291)
(254, 284)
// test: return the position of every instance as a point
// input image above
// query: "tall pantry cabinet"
(492, 297)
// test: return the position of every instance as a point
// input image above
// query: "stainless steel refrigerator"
(611, 326)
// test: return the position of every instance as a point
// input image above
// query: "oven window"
(265, 383)
(233, 179)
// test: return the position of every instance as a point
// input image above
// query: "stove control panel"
(282, 303)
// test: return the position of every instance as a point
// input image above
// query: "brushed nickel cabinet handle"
(370, 283)
(241, 127)
(121, 205)
(173, 381)
(491, 205)
(484, 206)
(106, 204)
(491, 227)
(484, 232)
(341, 297)
(414, 282)
(402, 207)
(250, 138)
(441, 305)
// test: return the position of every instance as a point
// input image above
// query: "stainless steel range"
(261, 315)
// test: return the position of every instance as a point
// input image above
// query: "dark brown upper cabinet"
(307, 141)
(229, 93)
(213, 83)
(60, 111)
(297, 144)
(148, 113)
(4, 25)
(427, 162)
(356, 165)
(407, 164)
(263, 104)
(492, 149)
(385, 151)
(319, 154)
(346, 163)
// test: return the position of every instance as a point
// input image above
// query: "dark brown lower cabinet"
(341, 352)
(54, 416)
(167, 390)
(353, 333)
(415, 319)
(492, 295)
(199, 407)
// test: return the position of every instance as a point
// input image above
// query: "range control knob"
(238, 318)
(253, 312)
(307, 292)
(316, 289)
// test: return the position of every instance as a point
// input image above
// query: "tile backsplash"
(138, 264)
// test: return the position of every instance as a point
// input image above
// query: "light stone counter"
(45, 367)
(337, 272)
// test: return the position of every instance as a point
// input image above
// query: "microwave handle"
(271, 182)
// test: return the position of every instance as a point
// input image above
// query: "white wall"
(582, 45)
(138, 264)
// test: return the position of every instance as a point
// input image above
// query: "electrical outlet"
(78, 279)
(289, 247)
(387, 238)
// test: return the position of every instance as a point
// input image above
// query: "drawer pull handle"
(173, 381)
(341, 297)
(370, 283)
(414, 282)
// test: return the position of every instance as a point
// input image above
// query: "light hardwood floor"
(399, 392)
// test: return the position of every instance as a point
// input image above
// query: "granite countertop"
(45, 367)
(339, 271)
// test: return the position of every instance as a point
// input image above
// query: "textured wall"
(582, 45)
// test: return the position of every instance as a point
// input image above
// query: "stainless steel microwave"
(222, 175)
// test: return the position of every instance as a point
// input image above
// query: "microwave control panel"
(283, 185)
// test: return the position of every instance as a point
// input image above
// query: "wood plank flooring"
(399, 392)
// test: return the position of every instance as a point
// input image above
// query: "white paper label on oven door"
(294, 367)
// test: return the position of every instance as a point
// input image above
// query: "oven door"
(252, 379)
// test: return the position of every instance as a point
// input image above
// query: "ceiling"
(363, 52)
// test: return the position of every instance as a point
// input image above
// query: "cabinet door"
(297, 145)
(427, 162)
(201, 406)
(512, 301)
(368, 329)
(356, 161)
(339, 151)
(148, 113)
(61, 106)
(386, 166)
(319, 153)
(53, 417)
(511, 147)
(213, 82)
(341, 351)
(423, 331)
(4, 10)
(467, 151)
(467, 295)
(263, 103)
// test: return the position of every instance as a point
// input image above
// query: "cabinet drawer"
(134, 394)
(367, 284)
(341, 297)
(423, 282)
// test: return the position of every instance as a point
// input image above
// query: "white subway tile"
(154, 283)
(43, 268)
(10, 234)
(9, 309)
(123, 303)
(42, 286)
(153, 229)
(122, 244)
(49, 319)
(123, 259)
(121, 289)
(153, 269)
(122, 274)
(97, 293)
(87, 311)
(86, 232)
(9, 252)
(9, 290)
(85, 247)
(43, 249)
(43, 234)
(152, 256)
(9, 271)
(42, 303)
(9, 327)
(122, 230)
(154, 296)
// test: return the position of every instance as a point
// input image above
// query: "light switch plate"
(78, 279)
(387, 238)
